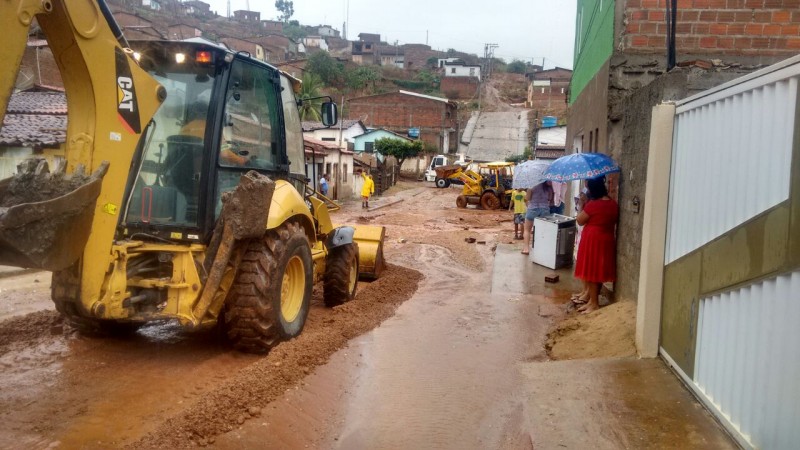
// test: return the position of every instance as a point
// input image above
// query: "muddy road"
(164, 387)
(446, 350)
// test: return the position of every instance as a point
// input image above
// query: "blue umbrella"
(529, 174)
(580, 166)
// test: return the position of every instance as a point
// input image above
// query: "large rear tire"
(490, 201)
(271, 295)
(341, 275)
(461, 201)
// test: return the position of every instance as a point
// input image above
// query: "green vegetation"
(294, 31)
(516, 66)
(286, 8)
(330, 71)
(516, 159)
(399, 148)
(310, 110)
(361, 77)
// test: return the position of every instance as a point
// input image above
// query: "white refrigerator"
(553, 241)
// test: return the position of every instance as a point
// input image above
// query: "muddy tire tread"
(250, 318)
(336, 289)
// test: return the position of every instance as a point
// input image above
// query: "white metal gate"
(732, 159)
(748, 359)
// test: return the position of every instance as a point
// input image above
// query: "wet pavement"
(462, 365)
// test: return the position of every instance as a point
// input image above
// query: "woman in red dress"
(596, 262)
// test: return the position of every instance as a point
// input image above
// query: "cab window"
(250, 126)
(248, 138)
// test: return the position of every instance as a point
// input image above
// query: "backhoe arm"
(110, 101)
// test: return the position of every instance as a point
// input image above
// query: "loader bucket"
(370, 250)
(446, 171)
(41, 232)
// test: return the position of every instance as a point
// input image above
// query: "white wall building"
(461, 69)
(349, 130)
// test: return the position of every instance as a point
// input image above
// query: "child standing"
(519, 207)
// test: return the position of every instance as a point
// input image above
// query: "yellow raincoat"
(369, 186)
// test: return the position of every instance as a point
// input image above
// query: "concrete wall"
(632, 156)
(589, 111)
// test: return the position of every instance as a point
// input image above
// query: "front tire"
(271, 295)
(341, 275)
(490, 201)
(461, 201)
(442, 182)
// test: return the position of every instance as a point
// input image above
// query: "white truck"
(442, 160)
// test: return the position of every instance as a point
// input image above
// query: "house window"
(329, 139)
(453, 70)
(344, 173)
(369, 147)
(562, 90)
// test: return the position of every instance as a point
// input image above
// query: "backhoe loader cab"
(224, 114)
(197, 209)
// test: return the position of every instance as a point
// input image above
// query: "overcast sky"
(523, 29)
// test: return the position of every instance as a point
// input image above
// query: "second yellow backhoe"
(183, 193)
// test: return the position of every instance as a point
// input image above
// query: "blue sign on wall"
(413, 132)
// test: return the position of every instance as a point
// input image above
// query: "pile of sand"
(606, 333)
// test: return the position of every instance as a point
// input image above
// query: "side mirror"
(330, 114)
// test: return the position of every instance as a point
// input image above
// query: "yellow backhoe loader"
(489, 187)
(183, 193)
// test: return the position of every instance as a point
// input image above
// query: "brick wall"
(399, 112)
(416, 56)
(459, 87)
(720, 27)
(551, 102)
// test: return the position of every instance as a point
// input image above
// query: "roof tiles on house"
(51, 103)
(33, 130)
(35, 119)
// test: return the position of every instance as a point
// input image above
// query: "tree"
(401, 149)
(325, 67)
(310, 110)
(294, 31)
(516, 66)
(359, 77)
(286, 8)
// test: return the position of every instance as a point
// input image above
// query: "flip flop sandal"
(578, 301)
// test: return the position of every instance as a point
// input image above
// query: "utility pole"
(488, 55)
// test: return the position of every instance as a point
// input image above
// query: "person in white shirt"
(559, 194)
